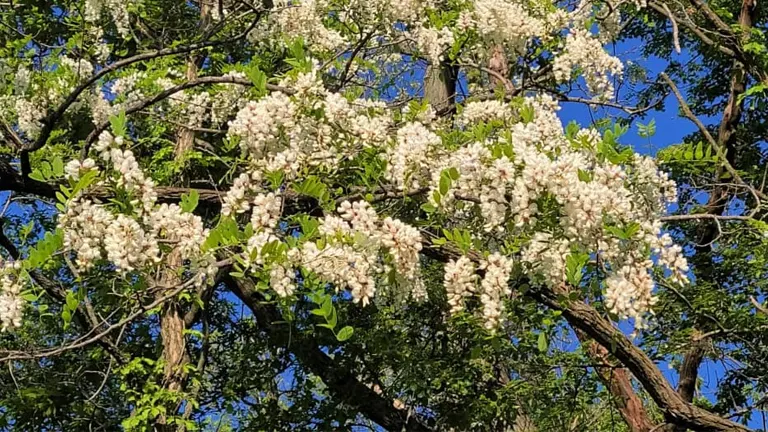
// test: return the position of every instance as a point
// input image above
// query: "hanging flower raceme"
(129, 237)
(11, 301)
(598, 202)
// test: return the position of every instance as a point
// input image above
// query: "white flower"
(459, 281)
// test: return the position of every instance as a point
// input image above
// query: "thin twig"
(675, 33)
(703, 129)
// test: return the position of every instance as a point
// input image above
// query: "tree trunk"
(440, 88)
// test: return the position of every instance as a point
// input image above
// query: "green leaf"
(43, 250)
(119, 124)
(526, 114)
(428, 208)
(345, 333)
(617, 232)
(258, 78)
(445, 184)
(71, 301)
(631, 229)
(58, 166)
(189, 201)
(46, 169)
(37, 175)
(542, 343)
(29, 297)
(572, 129)
(647, 131)
(453, 173)
(66, 315)
(574, 265)
(699, 152)
(327, 306)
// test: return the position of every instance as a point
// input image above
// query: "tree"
(340, 215)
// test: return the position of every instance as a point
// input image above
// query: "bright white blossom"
(460, 281)
(584, 50)
(495, 288)
(11, 301)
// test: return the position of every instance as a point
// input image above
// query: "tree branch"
(676, 409)
(617, 381)
(50, 120)
(342, 384)
(165, 94)
(704, 131)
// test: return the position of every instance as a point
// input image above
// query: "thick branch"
(689, 370)
(342, 384)
(617, 381)
(585, 318)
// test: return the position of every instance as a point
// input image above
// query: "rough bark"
(499, 64)
(440, 88)
(689, 370)
(676, 410)
(618, 382)
(172, 317)
(726, 133)
(174, 353)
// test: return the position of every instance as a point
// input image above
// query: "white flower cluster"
(75, 168)
(267, 209)
(130, 176)
(128, 247)
(408, 161)
(547, 257)
(260, 124)
(434, 42)
(404, 244)
(354, 242)
(117, 9)
(312, 128)
(84, 225)
(530, 162)
(460, 281)
(304, 18)
(495, 286)
(238, 198)
(192, 108)
(282, 279)
(131, 241)
(78, 67)
(11, 302)
(184, 230)
(315, 21)
(31, 98)
(507, 21)
(484, 111)
(629, 292)
(344, 267)
(585, 51)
